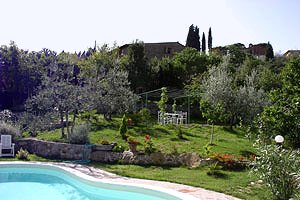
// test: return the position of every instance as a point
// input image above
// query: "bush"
(123, 128)
(22, 154)
(144, 115)
(9, 129)
(80, 134)
(148, 145)
(279, 169)
(179, 132)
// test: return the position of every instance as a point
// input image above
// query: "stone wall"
(104, 153)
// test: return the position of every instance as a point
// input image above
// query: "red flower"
(147, 137)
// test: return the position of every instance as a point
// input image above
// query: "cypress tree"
(197, 39)
(269, 52)
(203, 43)
(209, 42)
(193, 38)
(190, 36)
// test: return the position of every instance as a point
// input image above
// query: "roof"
(292, 52)
(155, 43)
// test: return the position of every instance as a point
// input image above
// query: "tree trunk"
(67, 124)
(62, 124)
(73, 123)
(212, 134)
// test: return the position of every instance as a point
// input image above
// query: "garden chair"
(182, 118)
(7, 145)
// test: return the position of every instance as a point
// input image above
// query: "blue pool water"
(50, 183)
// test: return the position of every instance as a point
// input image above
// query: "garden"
(88, 103)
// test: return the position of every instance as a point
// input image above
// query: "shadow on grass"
(233, 131)
(217, 174)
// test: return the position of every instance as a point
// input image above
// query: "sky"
(75, 25)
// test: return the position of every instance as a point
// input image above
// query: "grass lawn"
(226, 141)
(236, 183)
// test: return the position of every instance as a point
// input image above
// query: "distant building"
(158, 50)
(257, 50)
(292, 53)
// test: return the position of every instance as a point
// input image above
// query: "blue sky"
(74, 25)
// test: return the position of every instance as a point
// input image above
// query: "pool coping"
(181, 191)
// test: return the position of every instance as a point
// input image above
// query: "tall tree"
(197, 39)
(270, 52)
(193, 38)
(137, 66)
(203, 43)
(209, 42)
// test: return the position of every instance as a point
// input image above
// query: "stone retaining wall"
(104, 153)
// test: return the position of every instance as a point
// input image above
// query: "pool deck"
(183, 191)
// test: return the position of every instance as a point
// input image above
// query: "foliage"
(179, 132)
(162, 104)
(215, 170)
(174, 106)
(209, 41)
(148, 145)
(80, 134)
(9, 129)
(189, 62)
(123, 128)
(61, 93)
(22, 154)
(283, 115)
(7, 116)
(107, 82)
(270, 52)
(144, 116)
(137, 66)
(118, 148)
(279, 170)
(193, 38)
(203, 49)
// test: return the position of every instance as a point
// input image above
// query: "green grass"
(165, 139)
(195, 137)
(236, 183)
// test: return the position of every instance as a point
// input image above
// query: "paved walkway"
(198, 193)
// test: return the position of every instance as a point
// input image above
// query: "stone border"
(182, 191)
(104, 154)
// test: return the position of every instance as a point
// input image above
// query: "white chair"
(6, 144)
(182, 118)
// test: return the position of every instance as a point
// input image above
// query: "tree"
(269, 52)
(209, 42)
(189, 62)
(137, 66)
(213, 114)
(283, 115)
(203, 43)
(107, 83)
(60, 94)
(193, 38)
(162, 104)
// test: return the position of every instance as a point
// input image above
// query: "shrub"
(144, 115)
(123, 128)
(148, 145)
(80, 134)
(105, 142)
(22, 154)
(9, 129)
(279, 169)
(179, 132)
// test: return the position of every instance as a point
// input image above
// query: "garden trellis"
(173, 94)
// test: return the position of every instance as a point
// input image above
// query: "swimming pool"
(48, 182)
